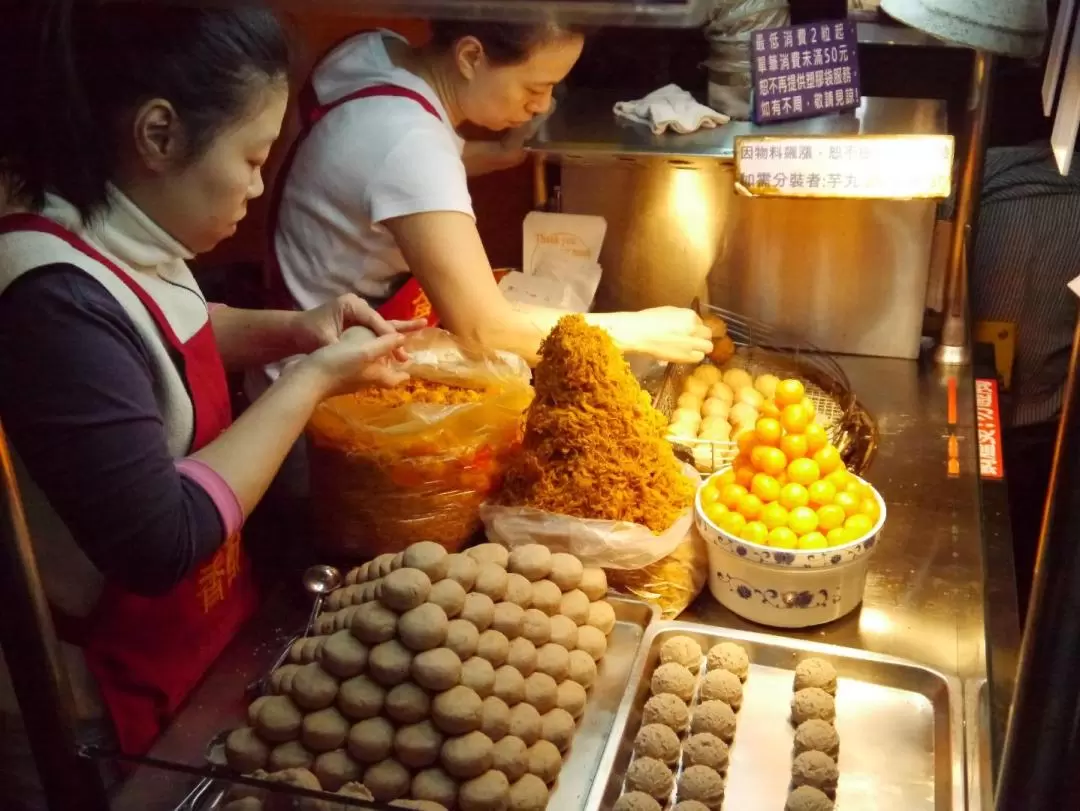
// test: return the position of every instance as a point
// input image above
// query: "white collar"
(123, 230)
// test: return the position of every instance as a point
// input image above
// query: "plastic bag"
(667, 570)
(397, 466)
(731, 22)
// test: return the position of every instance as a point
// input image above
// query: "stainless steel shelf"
(584, 125)
(649, 13)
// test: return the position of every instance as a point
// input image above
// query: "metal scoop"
(319, 580)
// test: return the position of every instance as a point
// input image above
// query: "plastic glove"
(667, 333)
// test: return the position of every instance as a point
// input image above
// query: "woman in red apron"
(133, 141)
(374, 199)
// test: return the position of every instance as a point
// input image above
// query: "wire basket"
(762, 349)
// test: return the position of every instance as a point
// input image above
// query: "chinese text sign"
(804, 70)
(872, 166)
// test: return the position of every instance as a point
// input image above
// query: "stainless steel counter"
(927, 597)
(584, 125)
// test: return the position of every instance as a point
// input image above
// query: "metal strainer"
(762, 349)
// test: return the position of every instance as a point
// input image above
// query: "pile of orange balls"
(788, 488)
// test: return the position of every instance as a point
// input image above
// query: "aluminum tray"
(633, 619)
(900, 725)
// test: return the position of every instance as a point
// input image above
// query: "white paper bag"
(568, 235)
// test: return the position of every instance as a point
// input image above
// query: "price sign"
(868, 166)
(804, 70)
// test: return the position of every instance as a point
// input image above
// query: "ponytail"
(75, 71)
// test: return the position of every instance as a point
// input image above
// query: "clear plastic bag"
(402, 465)
(728, 32)
(671, 583)
(667, 570)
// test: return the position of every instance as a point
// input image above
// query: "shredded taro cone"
(594, 446)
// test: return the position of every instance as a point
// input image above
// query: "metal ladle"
(319, 580)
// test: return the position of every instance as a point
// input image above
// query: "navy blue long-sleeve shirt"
(77, 402)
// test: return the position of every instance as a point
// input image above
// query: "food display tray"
(633, 618)
(900, 726)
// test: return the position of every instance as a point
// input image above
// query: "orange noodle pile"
(594, 446)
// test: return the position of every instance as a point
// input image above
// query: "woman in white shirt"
(376, 190)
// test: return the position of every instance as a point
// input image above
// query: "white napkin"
(673, 107)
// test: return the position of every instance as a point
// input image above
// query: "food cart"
(939, 607)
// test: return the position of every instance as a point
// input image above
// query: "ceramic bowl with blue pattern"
(787, 588)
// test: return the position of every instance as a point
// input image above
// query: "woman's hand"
(666, 333)
(357, 358)
(326, 325)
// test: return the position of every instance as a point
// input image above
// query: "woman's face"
(201, 202)
(501, 97)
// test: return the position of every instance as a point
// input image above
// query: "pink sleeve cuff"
(228, 506)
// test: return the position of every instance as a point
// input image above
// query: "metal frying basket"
(763, 349)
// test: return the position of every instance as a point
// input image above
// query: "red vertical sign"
(988, 427)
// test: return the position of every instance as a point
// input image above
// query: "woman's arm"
(77, 398)
(444, 251)
(484, 157)
(247, 456)
(249, 338)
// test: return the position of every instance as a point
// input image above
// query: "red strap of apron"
(316, 112)
(311, 112)
(36, 222)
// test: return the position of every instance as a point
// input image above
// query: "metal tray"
(208, 795)
(633, 619)
(900, 725)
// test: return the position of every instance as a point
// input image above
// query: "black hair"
(75, 69)
(504, 43)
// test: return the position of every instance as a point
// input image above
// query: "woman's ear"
(469, 55)
(159, 137)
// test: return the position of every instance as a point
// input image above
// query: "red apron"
(409, 301)
(148, 653)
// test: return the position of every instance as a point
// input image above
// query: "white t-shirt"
(366, 161)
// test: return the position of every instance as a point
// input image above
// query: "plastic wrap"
(667, 570)
(671, 583)
(728, 32)
(416, 464)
